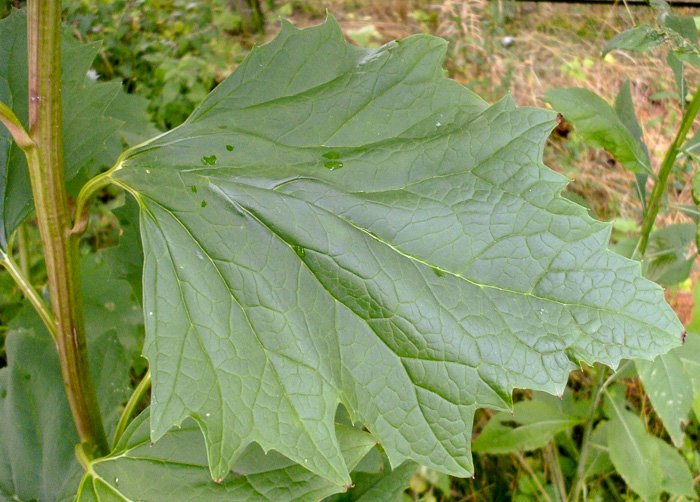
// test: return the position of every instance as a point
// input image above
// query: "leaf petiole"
(19, 134)
(600, 384)
(125, 418)
(29, 292)
(82, 205)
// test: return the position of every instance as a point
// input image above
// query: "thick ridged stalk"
(60, 250)
(659, 189)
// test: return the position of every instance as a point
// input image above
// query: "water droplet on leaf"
(439, 272)
(300, 251)
(331, 155)
(438, 124)
(229, 148)
(194, 189)
(204, 203)
(333, 165)
(209, 161)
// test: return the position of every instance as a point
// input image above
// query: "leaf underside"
(344, 225)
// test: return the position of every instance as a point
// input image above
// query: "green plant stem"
(134, 400)
(580, 479)
(82, 205)
(551, 457)
(30, 293)
(521, 459)
(665, 170)
(23, 248)
(612, 489)
(47, 179)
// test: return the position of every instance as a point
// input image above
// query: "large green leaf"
(175, 469)
(600, 126)
(336, 224)
(93, 116)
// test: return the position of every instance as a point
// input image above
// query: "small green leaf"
(670, 391)
(299, 287)
(683, 36)
(598, 460)
(677, 480)
(689, 355)
(600, 126)
(669, 260)
(678, 69)
(535, 424)
(634, 453)
(175, 469)
(641, 38)
(624, 107)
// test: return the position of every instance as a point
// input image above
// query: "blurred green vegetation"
(172, 52)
